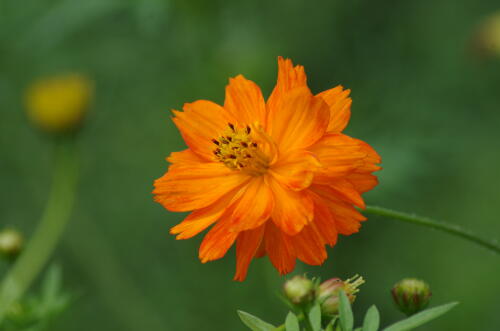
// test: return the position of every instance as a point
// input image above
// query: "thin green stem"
(428, 222)
(51, 225)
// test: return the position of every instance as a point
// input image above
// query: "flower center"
(238, 151)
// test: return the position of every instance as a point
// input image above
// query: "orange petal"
(340, 107)
(296, 169)
(309, 245)
(323, 219)
(195, 186)
(199, 123)
(292, 209)
(253, 207)
(289, 77)
(299, 121)
(363, 182)
(182, 158)
(200, 219)
(346, 191)
(340, 155)
(244, 101)
(216, 242)
(280, 249)
(347, 218)
(247, 244)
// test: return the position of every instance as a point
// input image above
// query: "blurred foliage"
(420, 97)
(36, 312)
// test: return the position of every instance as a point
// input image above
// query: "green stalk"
(430, 223)
(51, 226)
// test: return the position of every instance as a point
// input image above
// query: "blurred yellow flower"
(58, 104)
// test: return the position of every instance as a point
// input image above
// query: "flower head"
(278, 178)
(58, 104)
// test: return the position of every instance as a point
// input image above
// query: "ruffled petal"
(217, 242)
(323, 219)
(200, 219)
(341, 155)
(296, 169)
(253, 206)
(340, 107)
(309, 245)
(199, 123)
(362, 182)
(244, 101)
(280, 249)
(346, 191)
(299, 121)
(247, 244)
(289, 77)
(195, 186)
(347, 218)
(292, 209)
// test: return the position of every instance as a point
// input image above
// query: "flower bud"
(58, 104)
(299, 289)
(11, 243)
(328, 292)
(411, 295)
(486, 39)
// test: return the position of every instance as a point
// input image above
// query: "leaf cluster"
(36, 312)
(312, 320)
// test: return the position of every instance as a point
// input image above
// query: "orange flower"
(277, 177)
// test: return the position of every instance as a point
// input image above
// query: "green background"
(421, 97)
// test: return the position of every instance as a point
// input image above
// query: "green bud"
(328, 293)
(11, 243)
(299, 290)
(411, 295)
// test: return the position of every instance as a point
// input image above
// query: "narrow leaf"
(346, 318)
(315, 317)
(372, 319)
(421, 318)
(292, 323)
(254, 323)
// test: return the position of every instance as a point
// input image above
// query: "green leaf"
(372, 319)
(346, 317)
(315, 317)
(421, 318)
(254, 323)
(292, 323)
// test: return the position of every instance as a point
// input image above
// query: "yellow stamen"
(238, 151)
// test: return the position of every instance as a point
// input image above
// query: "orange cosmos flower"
(277, 177)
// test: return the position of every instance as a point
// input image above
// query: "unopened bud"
(11, 243)
(59, 104)
(328, 292)
(299, 290)
(411, 295)
(486, 40)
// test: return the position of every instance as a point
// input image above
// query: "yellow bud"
(58, 104)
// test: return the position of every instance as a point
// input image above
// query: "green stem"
(428, 222)
(49, 230)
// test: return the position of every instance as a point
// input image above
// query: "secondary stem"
(50, 227)
(428, 222)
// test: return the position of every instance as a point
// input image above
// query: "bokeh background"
(423, 96)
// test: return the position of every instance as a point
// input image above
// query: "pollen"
(238, 151)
